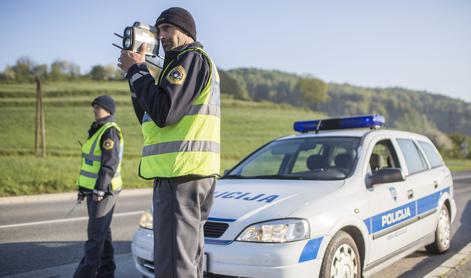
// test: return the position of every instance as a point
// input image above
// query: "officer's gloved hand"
(98, 195)
(80, 196)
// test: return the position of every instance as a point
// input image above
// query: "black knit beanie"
(106, 102)
(180, 18)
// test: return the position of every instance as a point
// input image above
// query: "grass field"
(245, 126)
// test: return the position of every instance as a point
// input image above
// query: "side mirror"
(386, 175)
(225, 172)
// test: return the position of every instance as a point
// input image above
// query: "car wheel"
(341, 258)
(442, 233)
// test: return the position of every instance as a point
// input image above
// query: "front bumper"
(241, 259)
(143, 251)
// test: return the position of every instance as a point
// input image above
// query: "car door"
(426, 182)
(390, 207)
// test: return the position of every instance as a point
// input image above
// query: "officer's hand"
(129, 58)
(98, 195)
(80, 196)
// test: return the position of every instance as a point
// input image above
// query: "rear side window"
(414, 160)
(432, 154)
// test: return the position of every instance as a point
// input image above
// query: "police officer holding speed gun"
(179, 113)
(100, 183)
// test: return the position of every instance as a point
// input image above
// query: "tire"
(341, 258)
(442, 233)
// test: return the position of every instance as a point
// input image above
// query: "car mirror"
(225, 172)
(386, 175)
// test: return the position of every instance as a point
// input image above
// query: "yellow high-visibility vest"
(91, 160)
(190, 146)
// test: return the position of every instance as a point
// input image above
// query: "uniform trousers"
(98, 260)
(180, 209)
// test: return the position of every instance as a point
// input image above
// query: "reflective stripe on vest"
(91, 160)
(191, 146)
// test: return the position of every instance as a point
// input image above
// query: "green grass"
(245, 126)
(458, 164)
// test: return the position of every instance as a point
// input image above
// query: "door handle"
(410, 194)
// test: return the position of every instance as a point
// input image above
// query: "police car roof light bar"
(368, 121)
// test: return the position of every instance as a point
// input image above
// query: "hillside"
(405, 109)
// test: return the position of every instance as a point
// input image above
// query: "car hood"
(255, 200)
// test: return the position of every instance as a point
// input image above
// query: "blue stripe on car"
(390, 218)
(430, 202)
(393, 217)
(217, 242)
(310, 250)
(221, 219)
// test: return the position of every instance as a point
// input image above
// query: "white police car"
(341, 198)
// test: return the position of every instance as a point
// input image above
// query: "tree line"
(26, 70)
(441, 118)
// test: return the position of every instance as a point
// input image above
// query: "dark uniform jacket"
(168, 103)
(109, 157)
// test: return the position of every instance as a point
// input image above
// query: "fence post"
(40, 130)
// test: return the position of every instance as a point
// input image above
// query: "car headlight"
(277, 231)
(146, 220)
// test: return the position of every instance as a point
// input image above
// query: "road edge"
(451, 264)
(26, 199)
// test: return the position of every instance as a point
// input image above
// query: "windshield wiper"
(233, 177)
(273, 177)
(276, 177)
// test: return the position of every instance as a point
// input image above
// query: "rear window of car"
(432, 154)
(414, 160)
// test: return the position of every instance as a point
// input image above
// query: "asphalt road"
(40, 236)
(37, 239)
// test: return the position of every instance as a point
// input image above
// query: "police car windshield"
(313, 158)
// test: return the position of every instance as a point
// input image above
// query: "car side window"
(432, 154)
(383, 156)
(414, 160)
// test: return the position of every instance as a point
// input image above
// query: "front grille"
(215, 229)
(148, 265)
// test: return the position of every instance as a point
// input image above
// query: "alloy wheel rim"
(344, 263)
(444, 228)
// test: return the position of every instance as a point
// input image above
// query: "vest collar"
(99, 123)
(171, 54)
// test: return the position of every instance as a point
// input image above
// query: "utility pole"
(40, 130)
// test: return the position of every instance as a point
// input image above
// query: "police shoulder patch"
(177, 75)
(108, 144)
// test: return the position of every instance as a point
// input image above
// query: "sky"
(415, 44)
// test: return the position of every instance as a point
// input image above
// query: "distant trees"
(63, 70)
(461, 146)
(312, 91)
(231, 86)
(97, 73)
(25, 70)
(22, 71)
(108, 72)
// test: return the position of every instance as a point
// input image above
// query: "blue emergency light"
(367, 121)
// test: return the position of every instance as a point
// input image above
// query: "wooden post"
(38, 118)
(40, 136)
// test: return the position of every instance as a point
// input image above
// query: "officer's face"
(171, 36)
(100, 112)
